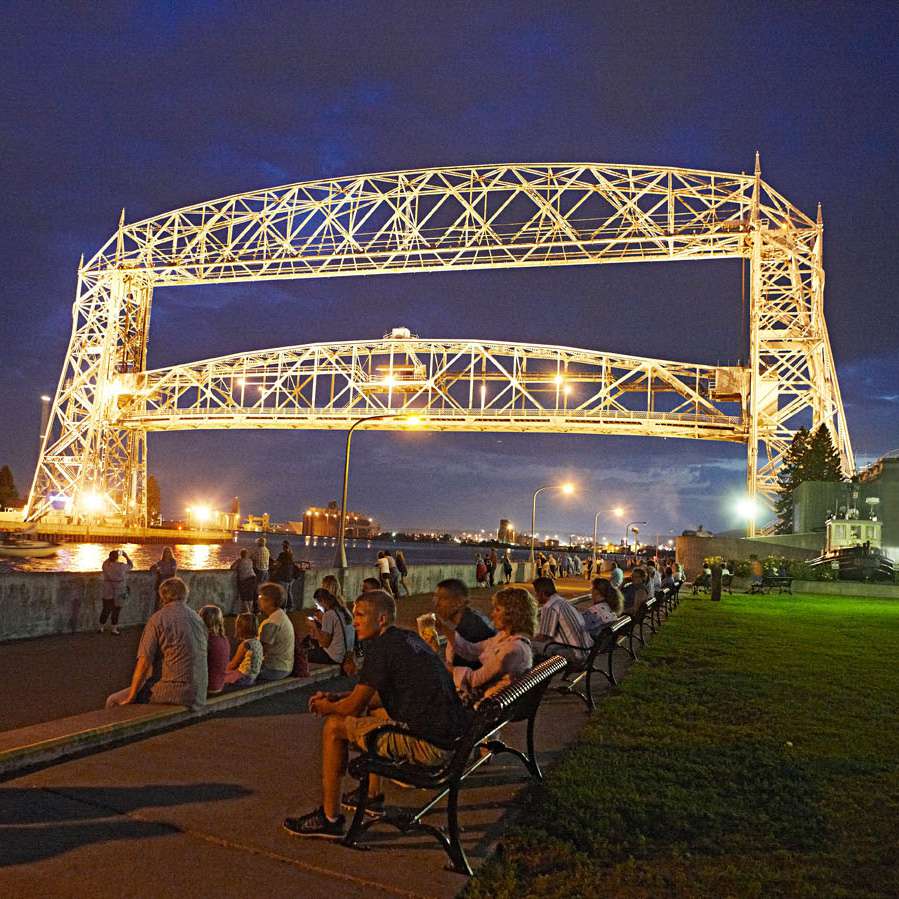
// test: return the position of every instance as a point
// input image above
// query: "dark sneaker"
(315, 824)
(374, 807)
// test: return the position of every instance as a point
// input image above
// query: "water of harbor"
(319, 552)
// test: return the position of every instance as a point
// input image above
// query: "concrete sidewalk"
(198, 811)
(69, 674)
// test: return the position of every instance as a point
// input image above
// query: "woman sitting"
(503, 658)
(608, 604)
(331, 630)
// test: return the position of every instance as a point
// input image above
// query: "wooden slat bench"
(771, 582)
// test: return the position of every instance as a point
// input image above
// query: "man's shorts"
(401, 747)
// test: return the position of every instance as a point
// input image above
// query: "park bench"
(771, 582)
(605, 642)
(519, 701)
(661, 605)
(702, 582)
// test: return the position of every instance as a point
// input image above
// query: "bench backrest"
(516, 702)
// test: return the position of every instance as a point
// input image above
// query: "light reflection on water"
(319, 552)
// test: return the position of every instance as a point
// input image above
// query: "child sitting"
(247, 660)
(218, 648)
(608, 604)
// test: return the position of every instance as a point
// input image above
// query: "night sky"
(153, 106)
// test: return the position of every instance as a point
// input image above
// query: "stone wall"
(692, 550)
(35, 604)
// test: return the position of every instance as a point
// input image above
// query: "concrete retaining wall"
(692, 550)
(35, 604)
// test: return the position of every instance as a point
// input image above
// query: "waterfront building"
(321, 521)
(506, 532)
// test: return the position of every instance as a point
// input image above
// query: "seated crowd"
(427, 690)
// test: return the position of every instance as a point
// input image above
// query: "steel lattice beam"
(431, 220)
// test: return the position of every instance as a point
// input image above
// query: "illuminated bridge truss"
(94, 451)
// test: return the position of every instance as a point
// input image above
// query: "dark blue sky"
(153, 106)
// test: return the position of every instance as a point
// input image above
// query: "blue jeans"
(272, 674)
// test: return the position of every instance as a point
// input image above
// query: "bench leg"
(357, 828)
(454, 847)
(612, 679)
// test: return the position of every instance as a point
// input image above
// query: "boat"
(853, 546)
(22, 548)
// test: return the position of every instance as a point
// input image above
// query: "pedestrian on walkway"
(246, 581)
(507, 568)
(402, 570)
(261, 560)
(383, 565)
(115, 587)
(282, 571)
(166, 567)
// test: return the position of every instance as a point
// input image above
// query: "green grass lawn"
(753, 751)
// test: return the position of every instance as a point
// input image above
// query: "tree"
(9, 496)
(811, 457)
(154, 503)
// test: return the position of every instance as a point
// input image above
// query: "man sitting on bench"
(560, 622)
(402, 682)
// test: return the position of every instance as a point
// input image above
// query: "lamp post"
(340, 557)
(617, 511)
(630, 524)
(565, 488)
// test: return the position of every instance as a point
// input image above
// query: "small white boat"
(28, 549)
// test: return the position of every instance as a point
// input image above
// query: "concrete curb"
(55, 741)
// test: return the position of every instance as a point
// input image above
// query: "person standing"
(507, 568)
(393, 573)
(402, 570)
(115, 587)
(261, 559)
(166, 567)
(616, 576)
(383, 565)
(246, 581)
(283, 571)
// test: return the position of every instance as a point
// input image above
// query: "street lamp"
(629, 526)
(566, 488)
(748, 509)
(340, 557)
(616, 511)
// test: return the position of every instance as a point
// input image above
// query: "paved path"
(197, 811)
(73, 673)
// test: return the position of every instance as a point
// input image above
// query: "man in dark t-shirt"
(403, 682)
(451, 605)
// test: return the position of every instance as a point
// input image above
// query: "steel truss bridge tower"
(93, 456)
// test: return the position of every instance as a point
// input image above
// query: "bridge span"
(93, 455)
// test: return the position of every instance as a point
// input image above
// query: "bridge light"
(747, 508)
(413, 421)
(559, 380)
(201, 514)
(566, 389)
(92, 502)
(390, 381)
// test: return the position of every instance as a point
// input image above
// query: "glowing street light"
(630, 526)
(567, 488)
(200, 514)
(411, 420)
(617, 511)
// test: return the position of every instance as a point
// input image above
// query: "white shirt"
(343, 637)
(599, 615)
(383, 565)
(505, 655)
(559, 620)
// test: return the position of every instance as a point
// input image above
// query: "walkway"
(198, 810)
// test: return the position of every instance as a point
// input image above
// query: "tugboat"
(854, 545)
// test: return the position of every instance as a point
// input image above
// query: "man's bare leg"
(334, 761)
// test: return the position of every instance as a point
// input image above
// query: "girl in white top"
(503, 658)
(331, 630)
(608, 604)
(247, 659)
